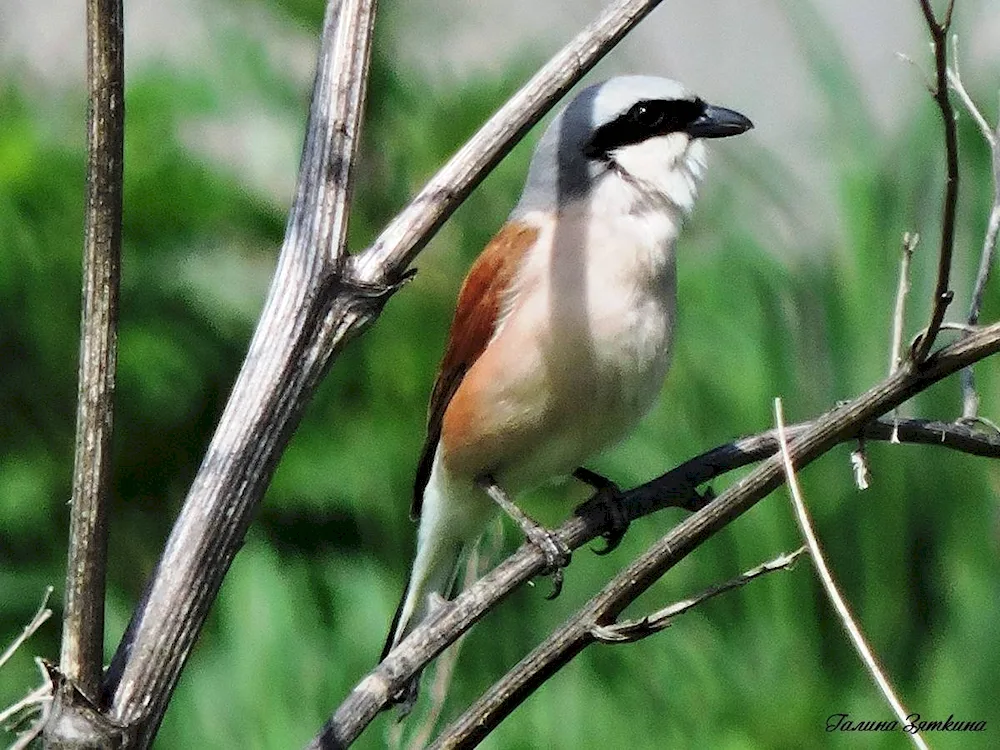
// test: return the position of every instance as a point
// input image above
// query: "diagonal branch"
(837, 425)
(677, 488)
(829, 585)
(286, 359)
(318, 303)
(82, 654)
(407, 234)
(942, 294)
(631, 631)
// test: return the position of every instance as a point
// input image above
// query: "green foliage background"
(304, 610)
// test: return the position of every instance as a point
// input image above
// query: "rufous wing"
(480, 301)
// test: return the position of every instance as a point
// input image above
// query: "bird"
(563, 328)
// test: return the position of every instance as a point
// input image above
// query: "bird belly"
(570, 373)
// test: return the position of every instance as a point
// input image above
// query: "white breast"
(593, 325)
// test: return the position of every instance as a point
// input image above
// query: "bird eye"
(646, 116)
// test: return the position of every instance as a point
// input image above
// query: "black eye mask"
(644, 120)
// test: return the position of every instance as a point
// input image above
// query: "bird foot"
(557, 555)
(608, 500)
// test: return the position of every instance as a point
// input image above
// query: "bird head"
(634, 137)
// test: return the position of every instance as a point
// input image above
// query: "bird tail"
(435, 571)
(441, 544)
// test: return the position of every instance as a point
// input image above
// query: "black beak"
(718, 122)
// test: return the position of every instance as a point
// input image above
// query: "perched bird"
(562, 334)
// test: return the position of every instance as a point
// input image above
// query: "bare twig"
(37, 697)
(830, 586)
(844, 422)
(970, 399)
(899, 311)
(942, 294)
(41, 616)
(82, 656)
(630, 631)
(910, 242)
(40, 700)
(956, 83)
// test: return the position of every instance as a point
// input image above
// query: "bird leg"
(606, 497)
(557, 554)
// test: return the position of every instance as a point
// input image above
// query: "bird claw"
(557, 556)
(607, 500)
(699, 499)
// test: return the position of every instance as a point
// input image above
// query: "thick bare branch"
(942, 293)
(286, 359)
(677, 488)
(566, 642)
(82, 656)
(317, 304)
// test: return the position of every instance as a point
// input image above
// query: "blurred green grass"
(304, 610)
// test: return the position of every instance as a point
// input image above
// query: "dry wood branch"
(407, 234)
(317, 304)
(829, 585)
(567, 641)
(677, 488)
(970, 399)
(942, 294)
(291, 347)
(630, 631)
(83, 620)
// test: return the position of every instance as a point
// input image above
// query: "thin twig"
(958, 86)
(37, 697)
(629, 631)
(842, 423)
(40, 697)
(830, 586)
(82, 655)
(970, 399)
(942, 294)
(899, 312)
(910, 242)
(41, 615)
